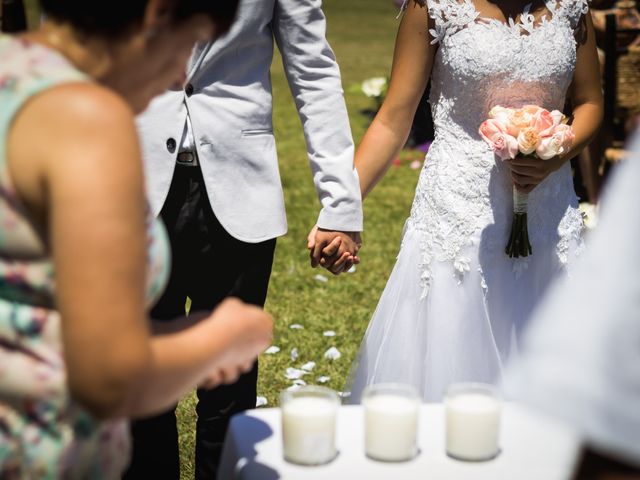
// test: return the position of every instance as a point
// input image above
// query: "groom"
(212, 173)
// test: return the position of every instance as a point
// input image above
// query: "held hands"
(527, 173)
(336, 251)
(246, 331)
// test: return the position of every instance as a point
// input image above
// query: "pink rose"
(543, 120)
(495, 134)
(528, 140)
(558, 142)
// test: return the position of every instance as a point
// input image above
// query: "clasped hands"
(334, 250)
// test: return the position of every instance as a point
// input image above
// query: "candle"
(309, 425)
(473, 422)
(391, 422)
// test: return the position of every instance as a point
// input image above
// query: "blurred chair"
(621, 78)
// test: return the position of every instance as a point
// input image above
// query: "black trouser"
(208, 266)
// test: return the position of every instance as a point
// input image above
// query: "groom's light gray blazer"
(228, 97)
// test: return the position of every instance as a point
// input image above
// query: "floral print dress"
(44, 433)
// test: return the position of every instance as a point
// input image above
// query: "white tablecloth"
(533, 447)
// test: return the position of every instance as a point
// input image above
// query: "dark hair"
(110, 18)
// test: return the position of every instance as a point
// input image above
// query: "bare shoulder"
(76, 119)
(73, 133)
(80, 107)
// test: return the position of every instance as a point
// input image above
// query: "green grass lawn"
(362, 35)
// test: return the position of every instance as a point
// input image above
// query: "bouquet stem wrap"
(519, 245)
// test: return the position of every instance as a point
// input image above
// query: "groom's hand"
(335, 250)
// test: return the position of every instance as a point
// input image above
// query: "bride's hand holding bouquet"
(532, 140)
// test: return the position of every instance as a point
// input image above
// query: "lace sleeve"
(574, 10)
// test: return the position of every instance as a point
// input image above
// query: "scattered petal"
(296, 326)
(323, 379)
(352, 269)
(294, 354)
(295, 373)
(321, 278)
(329, 333)
(332, 354)
(294, 387)
(307, 367)
(415, 165)
(272, 350)
(299, 382)
(344, 394)
(261, 401)
(397, 162)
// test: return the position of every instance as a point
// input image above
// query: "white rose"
(500, 113)
(558, 117)
(374, 87)
(528, 141)
(549, 147)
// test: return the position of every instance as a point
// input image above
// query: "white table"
(533, 447)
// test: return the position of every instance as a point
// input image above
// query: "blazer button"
(171, 145)
(188, 89)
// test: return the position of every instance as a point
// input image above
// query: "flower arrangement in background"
(533, 132)
(376, 88)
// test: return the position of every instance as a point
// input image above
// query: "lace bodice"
(481, 63)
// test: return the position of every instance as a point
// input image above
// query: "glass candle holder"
(472, 422)
(309, 425)
(391, 413)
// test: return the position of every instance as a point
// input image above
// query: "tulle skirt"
(464, 330)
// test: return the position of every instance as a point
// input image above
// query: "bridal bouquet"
(533, 132)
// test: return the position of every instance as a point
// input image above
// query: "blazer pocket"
(254, 132)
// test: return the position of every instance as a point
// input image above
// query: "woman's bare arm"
(412, 62)
(77, 165)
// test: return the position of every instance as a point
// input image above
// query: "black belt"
(188, 159)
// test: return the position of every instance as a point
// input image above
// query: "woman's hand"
(247, 331)
(336, 251)
(528, 172)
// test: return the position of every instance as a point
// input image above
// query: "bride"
(455, 303)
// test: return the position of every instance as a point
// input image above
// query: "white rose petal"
(293, 388)
(294, 354)
(332, 354)
(323, 379)
(307, 367)
(352, 269)
(295, 373)
(296, 326)
(321, 278)
(272, 350)
(329, 333)
(261, 401)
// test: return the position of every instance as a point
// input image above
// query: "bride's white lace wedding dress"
(455, 303)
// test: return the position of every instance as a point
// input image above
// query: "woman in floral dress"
(80, 259)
